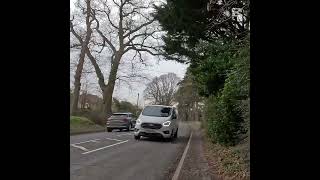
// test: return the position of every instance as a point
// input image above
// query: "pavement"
(195, 166)
(117, 156)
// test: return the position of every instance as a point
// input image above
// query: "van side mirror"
(174, 116)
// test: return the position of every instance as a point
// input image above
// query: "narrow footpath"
(195, 166)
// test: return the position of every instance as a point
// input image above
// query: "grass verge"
(229, 163)
(80, 125)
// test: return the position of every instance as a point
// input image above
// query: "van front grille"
(151, 125)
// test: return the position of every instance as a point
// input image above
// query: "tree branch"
(108, 15)
(116, 3)
(97, 69)
(134, 9)
(74, 33)
(99, 44)
(138, 35)
(105, 39)
(75, 46)
(132, 47)
(139, 27)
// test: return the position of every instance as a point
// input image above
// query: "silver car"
(120, 121)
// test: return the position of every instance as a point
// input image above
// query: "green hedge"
(227, 110)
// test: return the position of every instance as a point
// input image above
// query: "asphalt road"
(117, 156)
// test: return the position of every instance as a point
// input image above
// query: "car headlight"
(138, 121)
(167, 123)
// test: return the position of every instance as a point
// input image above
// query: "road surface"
(117, 156)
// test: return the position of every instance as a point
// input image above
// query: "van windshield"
(157, 111)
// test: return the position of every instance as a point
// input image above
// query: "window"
(157, 111)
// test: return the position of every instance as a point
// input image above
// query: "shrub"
(76, 120)
(228, 109)
(94, 116)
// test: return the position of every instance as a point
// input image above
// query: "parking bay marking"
(81, 147)
(93, 140)
(76, 145)
(105, 147)
(114, 139)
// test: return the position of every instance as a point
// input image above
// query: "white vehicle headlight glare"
(167, 123)
(138, 121)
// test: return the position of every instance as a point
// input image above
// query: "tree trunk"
(196, 111)
(108, 91)
(77, 76)
(84, 100)
(77, 84)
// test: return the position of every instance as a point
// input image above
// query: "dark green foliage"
(224, 120)
(211, 71)
(125, 106)
(188, 22)
(184, 20)
(94, 116)
(226, 112)
(217, 46)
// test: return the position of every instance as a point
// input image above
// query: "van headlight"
(138, 121)
(167, 123)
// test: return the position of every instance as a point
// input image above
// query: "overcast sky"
(123, 92)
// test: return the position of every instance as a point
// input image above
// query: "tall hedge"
(227, 109)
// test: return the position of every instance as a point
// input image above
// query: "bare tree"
(85, 87)
(189, 108)
(161, 90)
(123, 26)
(83, 43)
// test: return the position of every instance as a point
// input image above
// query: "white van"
(157, 121)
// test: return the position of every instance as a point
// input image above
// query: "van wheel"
(176, 134)
(136, 137)
(172, 136)
(109, 129)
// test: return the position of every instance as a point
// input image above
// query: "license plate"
(149, 131)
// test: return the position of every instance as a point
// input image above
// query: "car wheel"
(136, 137)
(109, 129)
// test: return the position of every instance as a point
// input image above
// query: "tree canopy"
(214, 36)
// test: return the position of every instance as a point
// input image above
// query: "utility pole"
(137, 105)
(138, 101)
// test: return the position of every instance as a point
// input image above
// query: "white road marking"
(93, 140)
(177, 172)
(80, 147)
(114, 139)
(105, 147)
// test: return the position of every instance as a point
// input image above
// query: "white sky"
(163, 67)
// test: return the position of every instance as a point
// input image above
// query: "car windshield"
(157, 111)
